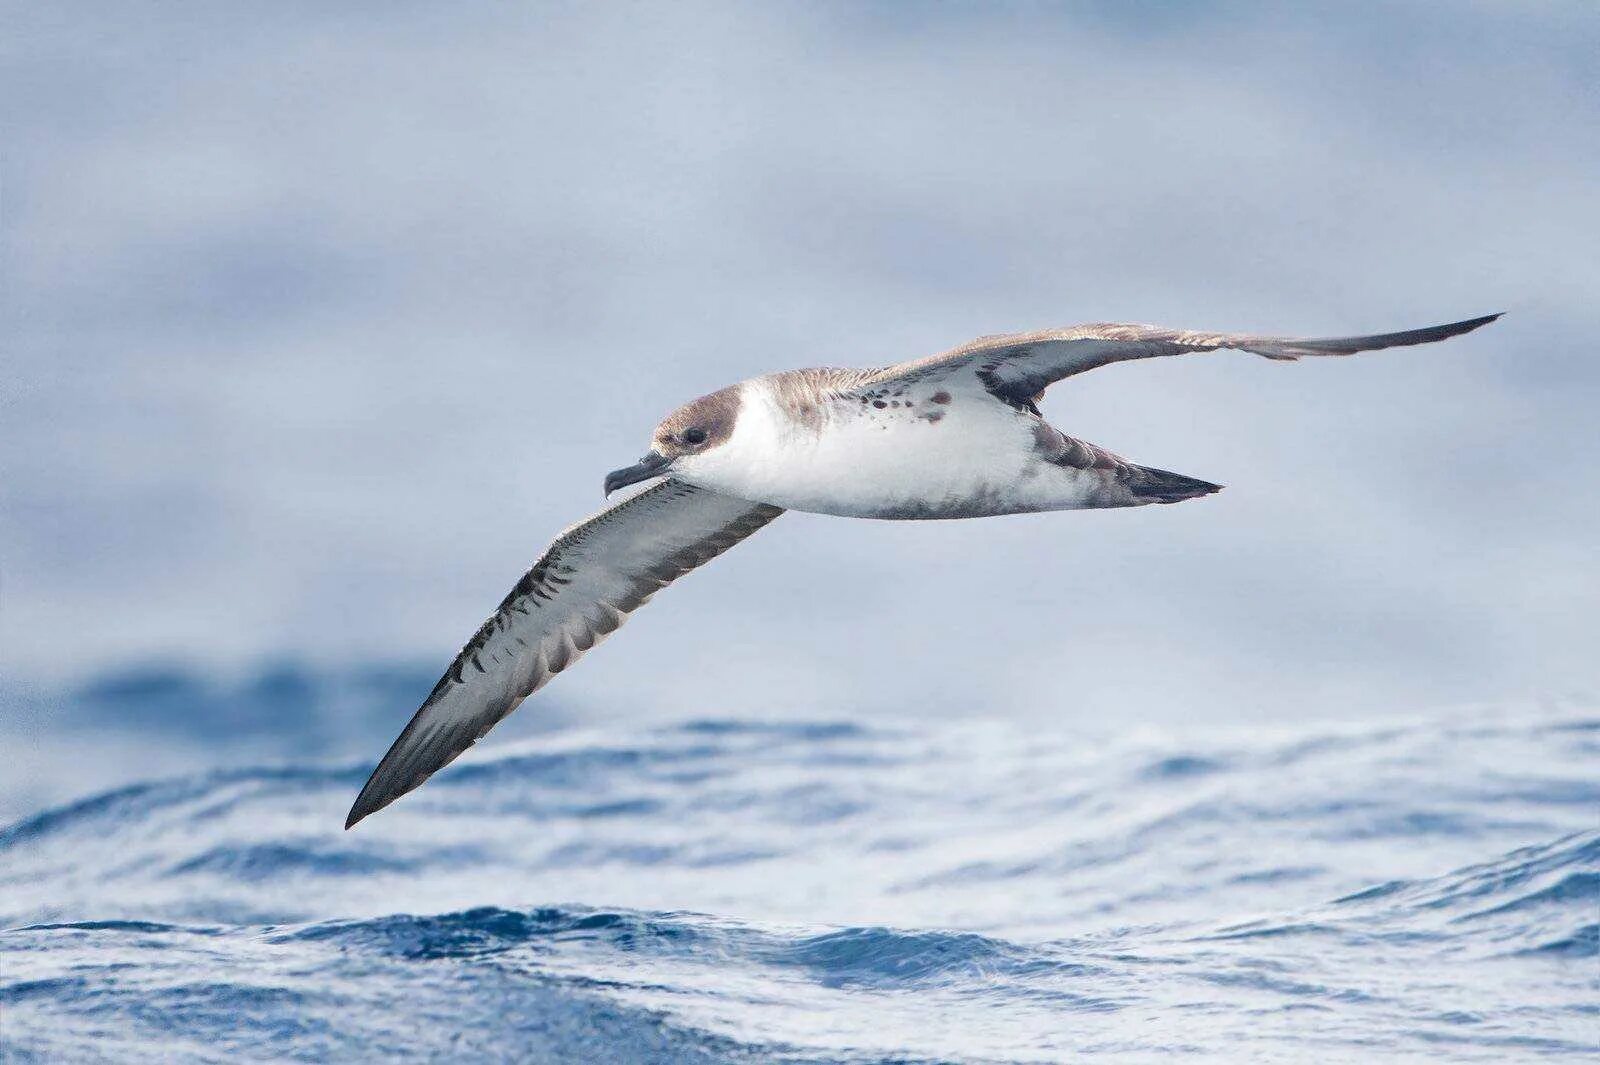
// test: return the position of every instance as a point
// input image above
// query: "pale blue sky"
(323, 319)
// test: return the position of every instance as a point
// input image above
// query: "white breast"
(913, 457)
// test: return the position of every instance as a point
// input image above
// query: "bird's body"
(956, 435)
(806, 440)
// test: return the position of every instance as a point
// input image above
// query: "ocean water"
(175, 886)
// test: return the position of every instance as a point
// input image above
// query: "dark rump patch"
(1063, 450)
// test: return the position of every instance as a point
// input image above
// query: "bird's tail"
(1148, 485)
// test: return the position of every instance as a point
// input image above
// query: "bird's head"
(683, 438)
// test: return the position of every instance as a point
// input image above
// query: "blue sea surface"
(175, 886)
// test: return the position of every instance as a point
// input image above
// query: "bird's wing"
(582, 588)
(1018, 366)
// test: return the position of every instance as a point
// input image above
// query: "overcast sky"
(321, 320)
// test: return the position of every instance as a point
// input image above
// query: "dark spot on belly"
(941, 396)
(933, 416)
(983, 503)
(880, 404)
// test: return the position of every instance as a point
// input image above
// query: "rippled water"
(727, 890)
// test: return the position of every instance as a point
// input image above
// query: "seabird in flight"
(956, 435)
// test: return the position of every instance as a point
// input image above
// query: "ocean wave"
(727, 890)
(660, 985)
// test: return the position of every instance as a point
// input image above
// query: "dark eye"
(694, 436)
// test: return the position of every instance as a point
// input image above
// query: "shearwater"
(956, 435)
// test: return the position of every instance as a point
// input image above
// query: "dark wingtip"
(1466, 325)
(1451, 329)
(367, 803)
(355, 815)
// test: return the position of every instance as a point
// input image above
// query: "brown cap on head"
(691, 429)
(699, 425)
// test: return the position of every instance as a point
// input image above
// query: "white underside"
(970, 457)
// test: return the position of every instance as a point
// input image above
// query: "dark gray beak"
(654, 464)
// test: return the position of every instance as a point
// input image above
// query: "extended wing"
(1018, 366)
(578, 593)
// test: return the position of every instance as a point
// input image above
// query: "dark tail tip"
(1163, 486)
